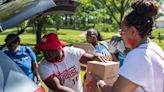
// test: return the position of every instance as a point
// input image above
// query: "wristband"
(100, 83)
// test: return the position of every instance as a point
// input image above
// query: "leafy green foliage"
(160, 1)
(107, 27)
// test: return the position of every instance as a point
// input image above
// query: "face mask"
(59, 55)
(132, 42)
(52, 55)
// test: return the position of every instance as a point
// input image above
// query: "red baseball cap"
(50, 41)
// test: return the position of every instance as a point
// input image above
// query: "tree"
(115, 8)
(160, 1)
(39, 25)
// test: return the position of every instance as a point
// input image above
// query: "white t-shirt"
(67, 71)
(145, 68)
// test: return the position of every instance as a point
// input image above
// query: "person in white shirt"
(143, 70)
(60, 67)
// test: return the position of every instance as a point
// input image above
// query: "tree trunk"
(66, 20)
(38, 32)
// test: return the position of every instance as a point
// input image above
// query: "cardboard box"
(85, 46)
(106, 71)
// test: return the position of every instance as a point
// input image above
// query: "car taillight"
(40, 89)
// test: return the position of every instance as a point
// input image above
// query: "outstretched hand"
(112, 46)
(99, 57)
(120, 46)
(116, 46)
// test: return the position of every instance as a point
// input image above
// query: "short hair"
(10, 36)
(97, 33)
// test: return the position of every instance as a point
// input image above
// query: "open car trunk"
(16, 11)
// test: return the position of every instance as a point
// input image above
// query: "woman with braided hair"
(144, 65)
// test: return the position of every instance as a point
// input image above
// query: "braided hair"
(141, 17)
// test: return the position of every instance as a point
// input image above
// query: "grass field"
(67, 35)
(71, 36)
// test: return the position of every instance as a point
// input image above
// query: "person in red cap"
(60, 67)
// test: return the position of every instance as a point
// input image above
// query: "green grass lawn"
(70, 36)
(156, 31)
(67, 35)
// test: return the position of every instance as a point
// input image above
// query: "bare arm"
(36, 73)
(89, 57)
(121, 85)
(124, 85)
(54, 84)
